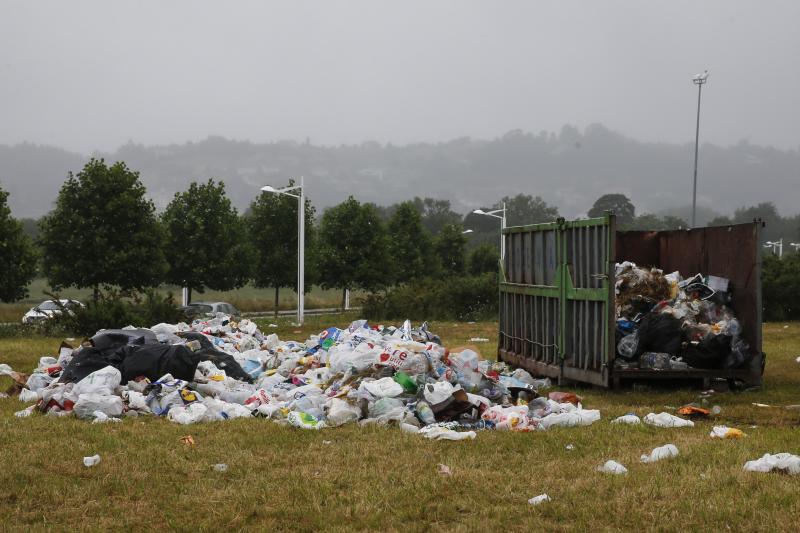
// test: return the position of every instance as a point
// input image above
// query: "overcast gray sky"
(91, 75)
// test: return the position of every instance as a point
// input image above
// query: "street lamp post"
(301, 235)
(502, 225)
(795, 245)
(698, 80)
(777, 247)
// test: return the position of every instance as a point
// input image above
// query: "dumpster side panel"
(530, 306)
(588, 247)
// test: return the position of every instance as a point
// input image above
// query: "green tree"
(207, 245)
(353, 249)
(485, 258)
(17, 255)
(524, 209)
(449, 246)
(619, 204)
(272, 226)
(436, 214)
(102, 232)
(411, 244)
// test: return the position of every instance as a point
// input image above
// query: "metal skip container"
(557, 300)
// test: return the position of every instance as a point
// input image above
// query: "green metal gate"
(556, 299)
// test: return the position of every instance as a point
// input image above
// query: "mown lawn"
(381, 479)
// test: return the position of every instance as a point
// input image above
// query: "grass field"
(382, 479)
(247, 298)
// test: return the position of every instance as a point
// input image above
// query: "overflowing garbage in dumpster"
(221, 370)
(667, 322)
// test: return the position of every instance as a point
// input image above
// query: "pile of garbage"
(666, 322)
(221, 370)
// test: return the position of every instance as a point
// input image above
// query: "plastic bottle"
(628, 346)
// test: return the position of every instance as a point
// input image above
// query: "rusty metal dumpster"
(557, 315)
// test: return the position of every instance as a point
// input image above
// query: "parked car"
(49, 309)
(209, 309)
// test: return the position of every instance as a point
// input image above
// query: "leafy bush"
(780, 285)
(462, 298)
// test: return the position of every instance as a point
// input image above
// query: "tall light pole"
(502, 226)
(698, 80)
(301, 245)
(795, 245)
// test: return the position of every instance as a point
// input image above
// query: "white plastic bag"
(27, 396)
(785, 462)
(341, 412)
(102, 382)
(666, 420)
(612, 467)
(88, 403)
(661, 452)
(630, 418)
(187, 414)
(579, 417)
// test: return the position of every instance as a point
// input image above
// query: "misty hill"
(569, 169)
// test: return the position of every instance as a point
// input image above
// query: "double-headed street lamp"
(502, 225)
(301, 222)
(777, 247)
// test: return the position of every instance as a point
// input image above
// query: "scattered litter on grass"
(3, 395)
(782, 462)
(326, 442)
(666, 420)
(541, 498)
(273, 326)
(570, 447)
(478, 339)
(662, 452)
(724, 432)
(612, 467)
(91, 461)
(629, 418)
(217, 369)
(793, 407)
(445, 470)
(220, 467)
(187, 440)
(761, 404)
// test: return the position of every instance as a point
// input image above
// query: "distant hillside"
(570, 169)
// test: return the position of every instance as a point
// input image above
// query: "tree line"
(104, 232)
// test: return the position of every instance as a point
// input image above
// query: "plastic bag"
(612, 467)
(88, 403)
(580, 417)
(341, 412)
(666, 420)
(102, 382)
(785, 462)
(187, 414)
(629, 418)
(662, 452)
